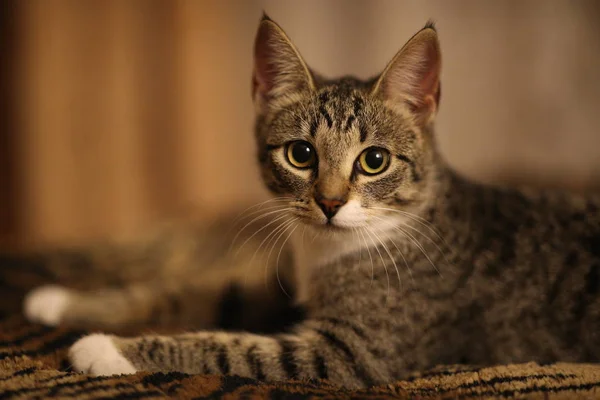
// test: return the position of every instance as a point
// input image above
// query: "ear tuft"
(279, 70)
(430, 24)
(265, 17)
(412, 78)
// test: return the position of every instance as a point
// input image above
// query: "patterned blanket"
(33, 365)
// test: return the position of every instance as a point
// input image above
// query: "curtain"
(118, 114)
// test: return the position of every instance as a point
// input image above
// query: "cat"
(398, 263)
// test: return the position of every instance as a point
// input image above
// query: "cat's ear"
(279, 70)
(413, 75)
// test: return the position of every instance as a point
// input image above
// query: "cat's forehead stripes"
(323, 99)
(341, 108)
(349, 123)
(358, 104)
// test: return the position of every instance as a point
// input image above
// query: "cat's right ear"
(279, 70)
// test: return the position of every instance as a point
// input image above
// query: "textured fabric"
(33, 365)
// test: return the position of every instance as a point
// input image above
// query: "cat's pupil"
(374, 159)
(302, 152)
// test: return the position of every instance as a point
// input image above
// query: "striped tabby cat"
(398, 263)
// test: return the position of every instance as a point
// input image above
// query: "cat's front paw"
(97, 354)
(47, 304)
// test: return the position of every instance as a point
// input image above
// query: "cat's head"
(346, 152)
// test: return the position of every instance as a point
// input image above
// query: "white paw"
(97, 355)
(46, 304)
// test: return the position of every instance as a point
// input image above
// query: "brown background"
(116, 114)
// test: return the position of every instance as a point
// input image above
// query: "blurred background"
(117, 114)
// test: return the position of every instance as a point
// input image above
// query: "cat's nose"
(329, 206)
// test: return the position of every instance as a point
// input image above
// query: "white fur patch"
(46, 304)
(97, 355)
(351, 214)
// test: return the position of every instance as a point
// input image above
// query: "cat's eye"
(373, 161)
(301, 154)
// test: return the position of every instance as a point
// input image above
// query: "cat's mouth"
(332, 226)
(329, 229)
(349, 218)
(324, 224)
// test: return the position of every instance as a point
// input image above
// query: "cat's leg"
(210, 300)
(137, 303)
(198, 282)
(336, 350)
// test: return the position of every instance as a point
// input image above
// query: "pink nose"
(329, 206)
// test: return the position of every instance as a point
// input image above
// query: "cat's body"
(400, 264)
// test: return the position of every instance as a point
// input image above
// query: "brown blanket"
(33, 365)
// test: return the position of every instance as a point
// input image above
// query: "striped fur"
(418, 267)
(32, 366)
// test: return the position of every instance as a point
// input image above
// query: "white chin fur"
(350, 215)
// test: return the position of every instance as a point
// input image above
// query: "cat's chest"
(311, 254)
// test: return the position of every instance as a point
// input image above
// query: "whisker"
(279, 235)
(276, 207)
(259, 205)
(261, 209)
(390, 256)
(317, 234)
(277, 262)
(382, 262)
(415, 218)
(410, 273)
(413, 215)
(420, 246)
(414, 241)
(433, 242)
(267, 241)
(270, 235)
(370, 256)
(259, 230)
(302, 239)
(355, 233)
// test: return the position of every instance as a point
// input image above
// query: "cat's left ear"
(413, 75)
(279, 70)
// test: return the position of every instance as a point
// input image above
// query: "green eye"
(301, 154)
(373, 161)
